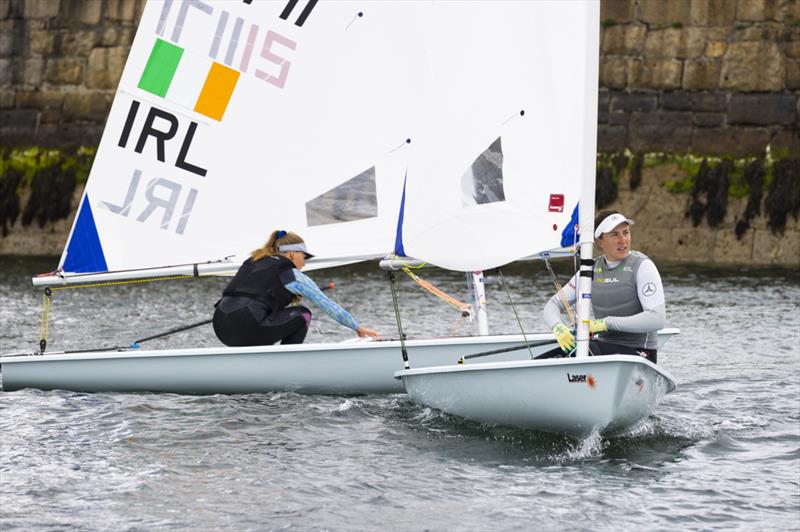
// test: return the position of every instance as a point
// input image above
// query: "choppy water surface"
(721, 452)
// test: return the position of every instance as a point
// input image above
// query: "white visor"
(283, 248)
(610, 222)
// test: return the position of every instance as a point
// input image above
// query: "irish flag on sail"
(190, 80)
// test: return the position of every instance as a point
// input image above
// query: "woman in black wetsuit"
(258, 307)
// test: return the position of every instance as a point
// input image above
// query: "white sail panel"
(489, 63)
(300, 99)
(197, 164)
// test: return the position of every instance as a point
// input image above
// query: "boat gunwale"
(270, 349)
(548, 362)
(353, 343)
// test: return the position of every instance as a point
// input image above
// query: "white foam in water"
(345, 405)
(742, 423)
(591, 445)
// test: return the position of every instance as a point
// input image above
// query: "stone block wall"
(60, 62)
(664, 231)
(706, 77)
(716, 77)
(710, 77)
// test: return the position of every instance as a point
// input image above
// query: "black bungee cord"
(392, 280)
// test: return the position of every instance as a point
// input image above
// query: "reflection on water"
(723, 451)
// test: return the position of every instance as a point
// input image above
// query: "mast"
(589, 154)
(476, 282)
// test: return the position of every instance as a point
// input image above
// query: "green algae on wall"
(771, 184)
(45, 177)
(37, 184)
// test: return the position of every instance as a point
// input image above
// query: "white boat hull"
(572, 396)
(352, 367)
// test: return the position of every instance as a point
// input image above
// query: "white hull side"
(352, 367)
(565, 396)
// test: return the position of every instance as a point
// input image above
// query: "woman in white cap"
(258, 307)
(627, 297)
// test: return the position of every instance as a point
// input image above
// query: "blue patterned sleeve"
(303, 286)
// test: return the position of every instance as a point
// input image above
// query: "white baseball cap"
(610, 222)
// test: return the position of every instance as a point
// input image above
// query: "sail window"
(483, 181)
(355, 199)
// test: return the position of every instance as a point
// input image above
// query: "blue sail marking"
(84, 252)
(398, 241)
(568, 235)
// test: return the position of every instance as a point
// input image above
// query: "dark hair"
(602, 215)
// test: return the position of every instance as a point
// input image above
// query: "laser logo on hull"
(581, 378)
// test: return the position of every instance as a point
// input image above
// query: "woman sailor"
(627, 296)
(256, 306)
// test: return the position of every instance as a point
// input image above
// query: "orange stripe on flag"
(217, 91)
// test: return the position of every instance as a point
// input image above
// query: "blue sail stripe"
(398, 241)
(84, 251)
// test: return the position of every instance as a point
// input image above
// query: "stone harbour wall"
(60, 62)
(718, 78)
(710, 77)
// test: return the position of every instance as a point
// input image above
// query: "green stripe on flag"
(161, 67)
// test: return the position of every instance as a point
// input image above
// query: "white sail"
(499, 166)
(233, 119)
(230, 121)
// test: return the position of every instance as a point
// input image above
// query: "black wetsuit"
(254, 309)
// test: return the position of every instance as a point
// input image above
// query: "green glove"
(597, 326)
(564, 337)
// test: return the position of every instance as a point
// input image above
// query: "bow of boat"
(572, 396)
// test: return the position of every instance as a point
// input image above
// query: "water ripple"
(721, 452)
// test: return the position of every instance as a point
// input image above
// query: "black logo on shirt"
(649, 289)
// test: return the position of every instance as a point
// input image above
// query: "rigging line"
(41, 319)
(124, 282)
(561, 296)
(47, 302)
(456, 326)
(412, 267)
(44, 324)
(392, 281)
(447, 298)
(514, 308)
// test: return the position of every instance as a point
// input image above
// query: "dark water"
(723, 452)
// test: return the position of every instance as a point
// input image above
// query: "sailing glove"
(564, 337)
(597, 326)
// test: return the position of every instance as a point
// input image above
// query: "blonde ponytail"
(278, 237)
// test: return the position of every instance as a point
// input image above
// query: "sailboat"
(573, 396)
(232, 119)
